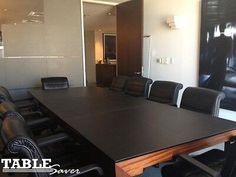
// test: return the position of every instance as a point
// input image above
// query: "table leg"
(120, 172)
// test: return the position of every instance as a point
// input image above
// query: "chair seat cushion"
(214, 159)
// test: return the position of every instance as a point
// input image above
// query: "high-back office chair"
(25, 112)
(20, 144)
(214, 163)
(8, 108)
(118, 83)
(138, 86)
(21, 104)
(165, 92)
(202, 100)
(54, 83)
(6, 92)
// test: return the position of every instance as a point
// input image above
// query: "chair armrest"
(25, 105)
(199, 165)
(42, 142)
(87, 169)
(23, 100)
(37, 121)
(31, 114)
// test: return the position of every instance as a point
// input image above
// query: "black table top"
(125, 127)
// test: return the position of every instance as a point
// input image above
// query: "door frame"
(82, 33)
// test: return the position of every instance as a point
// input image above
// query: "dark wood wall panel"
(129, 37)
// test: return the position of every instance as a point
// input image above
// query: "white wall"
(98, 46)
(24, 40)
(61, 36)
(182, 44)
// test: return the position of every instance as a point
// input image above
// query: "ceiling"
(99, 17)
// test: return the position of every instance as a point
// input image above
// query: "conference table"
(133, 132)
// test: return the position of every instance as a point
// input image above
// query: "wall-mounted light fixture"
(176, 22)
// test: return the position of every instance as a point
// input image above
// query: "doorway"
(125, 22)
(100, 47)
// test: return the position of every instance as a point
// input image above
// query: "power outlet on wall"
(165, 60)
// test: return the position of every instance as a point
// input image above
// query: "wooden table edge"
(135, 166)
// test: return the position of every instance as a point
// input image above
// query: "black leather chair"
(37, 124)
(20, 144)
(202, 100)
(30, 109)
(27, 103)
(54, 83)
(138, 86)
(118, 83)
(165, 92)
(215, 163)
(6, 104)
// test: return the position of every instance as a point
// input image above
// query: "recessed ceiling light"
(5, 10)
(35, 14)
(109, 13)
(31, 13)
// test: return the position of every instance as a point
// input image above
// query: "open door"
(130, 38)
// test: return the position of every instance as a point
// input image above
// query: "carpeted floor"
(153, 171)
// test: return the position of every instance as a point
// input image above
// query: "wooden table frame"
(135, 166)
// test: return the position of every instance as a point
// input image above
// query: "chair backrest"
(165, 92)
(118, 83)
(3, 97)
(4, 91)
(202, 100)
(229, 168)
(54, 83)
(6, 107)
(18, 141)
(138, 86)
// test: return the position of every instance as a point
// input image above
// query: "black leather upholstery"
(37, 124)
(53, 83)
(214, 158)
(118, 83)
(220, 161)
(138, 86)
(4, 91)
(5, 108)
(21, 104)
(165, 92)
(229, 167)
(15, 135)
(202, 100)
(19, 142)
(59, 137)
